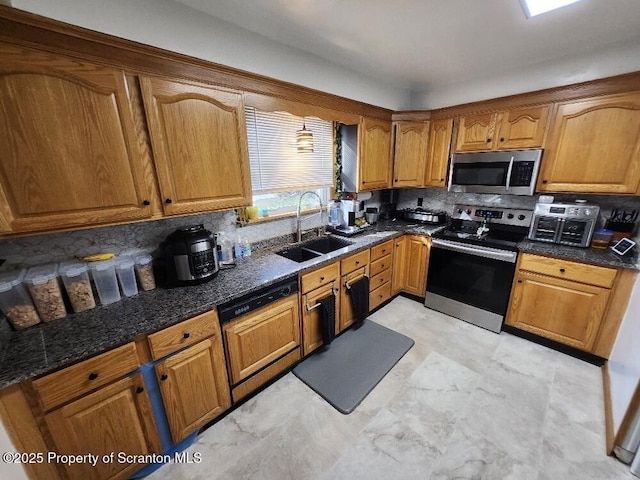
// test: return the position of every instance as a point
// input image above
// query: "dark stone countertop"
(49, 346)
(605, 258)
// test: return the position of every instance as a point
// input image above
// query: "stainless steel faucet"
(299, 220)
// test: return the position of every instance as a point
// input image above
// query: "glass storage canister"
(104, 278)
(75, 277)
(126, 275)
(42, 282)
(15, 302)
(144, 268)
(601, 238)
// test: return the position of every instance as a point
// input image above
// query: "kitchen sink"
(326, 244)
(313, 248)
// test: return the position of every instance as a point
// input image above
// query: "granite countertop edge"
(48, 347)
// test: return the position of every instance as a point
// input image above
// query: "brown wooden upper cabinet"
(511, 129)
(421, 153)
(440, 132)
(594, 146)
(374, 154)
(199, 144)
(410, 153)
(68, 143)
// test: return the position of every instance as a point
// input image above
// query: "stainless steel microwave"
(510, 172)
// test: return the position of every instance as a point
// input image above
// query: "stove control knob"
(587, 212)
(285, 291)
(521, 217)
(468, 211)
(510, 216)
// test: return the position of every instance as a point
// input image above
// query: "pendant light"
(304, 140)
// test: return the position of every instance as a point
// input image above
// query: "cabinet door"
(476, 132)
(522, 127)
(374, 154)
(199, 143)
(399, 277)
(561, 310)
(347, 316)
(311, 319)
(194, 387)
(68, 143)
(410, 153)
(262, 337)
(439, 146)
(116, 418)
(416, 255)
(594, 146)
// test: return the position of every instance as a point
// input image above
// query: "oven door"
(470, 282)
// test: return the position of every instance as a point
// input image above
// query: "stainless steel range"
(472, 263)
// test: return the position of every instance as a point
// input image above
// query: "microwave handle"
(509, 173)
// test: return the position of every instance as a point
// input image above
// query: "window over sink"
(279, 171)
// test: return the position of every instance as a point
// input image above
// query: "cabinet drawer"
(319, 277)
(183, 334)
(74, 381)
(380, 265)
(379, 295)
(354, 262)
(578, 272)
(380, 279)
(381, 250)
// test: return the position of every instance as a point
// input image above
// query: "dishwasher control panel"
(253, 301)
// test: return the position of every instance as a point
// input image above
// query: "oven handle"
(492, 253)
(508, 185)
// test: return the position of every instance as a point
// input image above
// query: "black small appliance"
(189, 256)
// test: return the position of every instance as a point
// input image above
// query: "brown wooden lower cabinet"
(411, 254)
(194, 387)
(561, 310)
(573, 303)
(115, 418)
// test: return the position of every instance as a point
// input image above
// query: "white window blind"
(276, 164)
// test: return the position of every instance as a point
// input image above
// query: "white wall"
(624, 362)
(175, 27)
(614, 59)
(10, 471)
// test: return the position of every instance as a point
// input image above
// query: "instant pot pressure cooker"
(189, 256)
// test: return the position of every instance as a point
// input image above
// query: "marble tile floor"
(463, 403)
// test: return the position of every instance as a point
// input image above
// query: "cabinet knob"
(396, 180)
(442, 179)
(163, 377)
(93, 376)
(168, 200)
(146, 203)
(544, 181)
(488, 140)
(321, 279)
(562, 270)
(139, 390)
(502, 139)
(186, 335)
(357, 262)
(363, 182)
(519, 281)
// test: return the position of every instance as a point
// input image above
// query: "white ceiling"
(425, 45)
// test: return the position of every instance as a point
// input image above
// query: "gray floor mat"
(344, 372)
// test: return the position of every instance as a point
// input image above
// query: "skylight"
(536, 7)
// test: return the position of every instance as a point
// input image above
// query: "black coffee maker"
(189, 257)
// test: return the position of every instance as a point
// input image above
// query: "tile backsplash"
(146, 236)
(134, 238)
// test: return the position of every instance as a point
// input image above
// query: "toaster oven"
(564, 223)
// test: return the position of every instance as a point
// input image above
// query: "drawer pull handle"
(146, 203)
(93, 376)
(139, 390)
(163, 377)
(562, 270)
(519, 281)
(357, 262)
(186, 335)
(168, 201)
(384, 250)
(321, 279)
